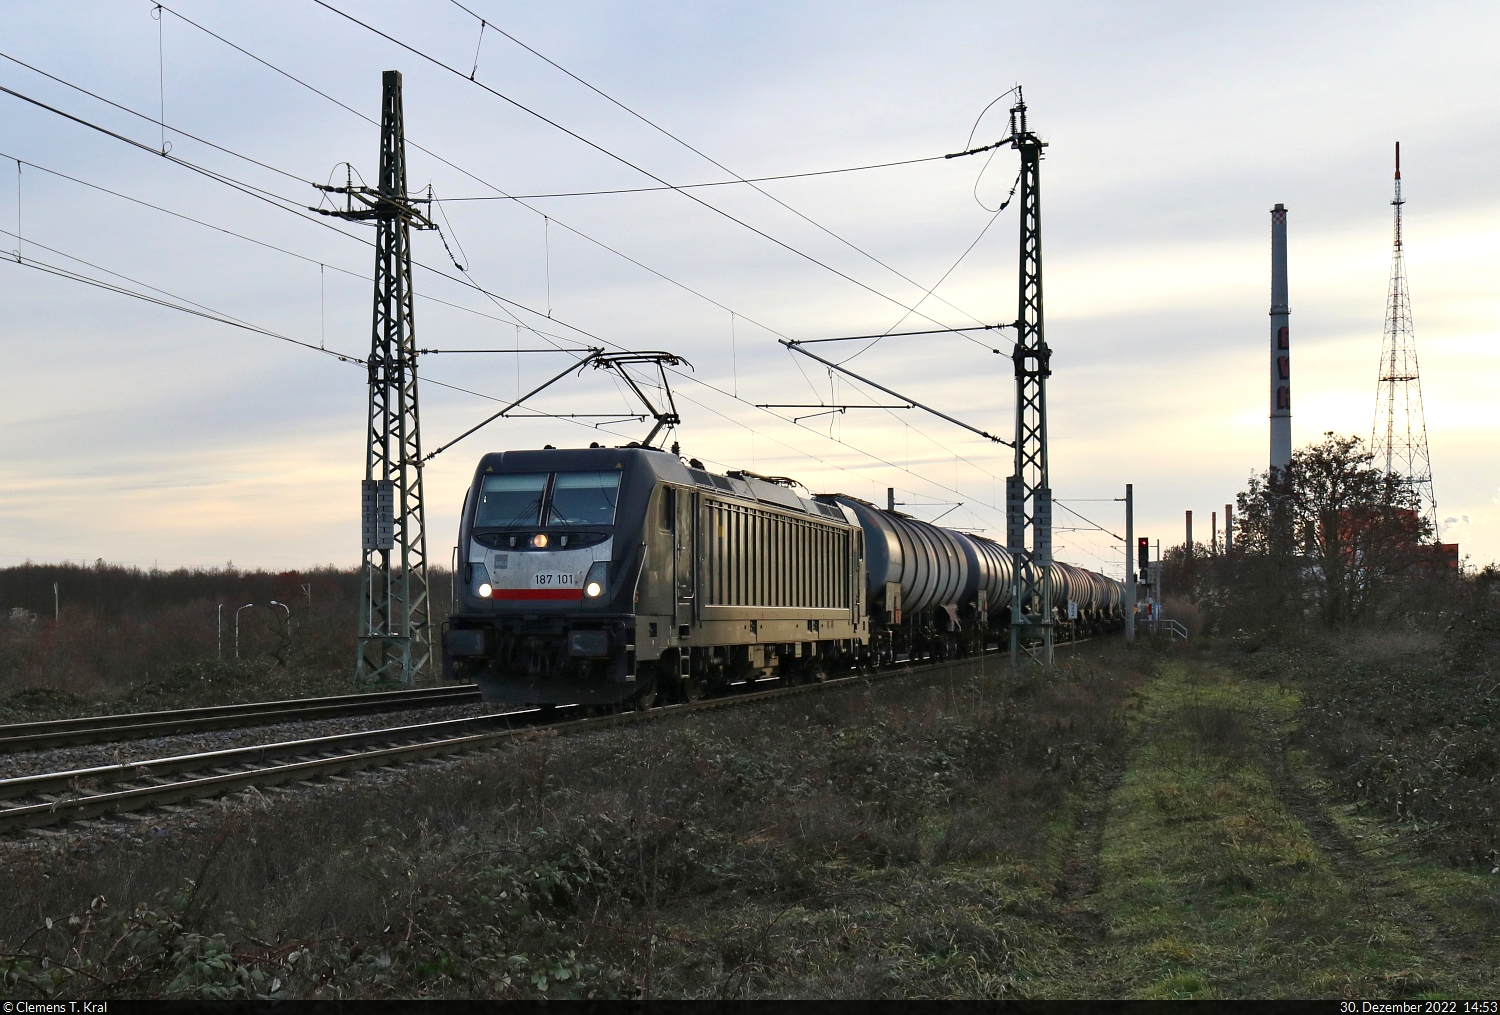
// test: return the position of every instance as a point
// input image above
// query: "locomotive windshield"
(510, 501)
(584, 498)
(516, 500)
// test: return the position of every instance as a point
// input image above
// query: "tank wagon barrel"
(618, 575)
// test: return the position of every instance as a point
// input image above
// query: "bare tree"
(1331, 529)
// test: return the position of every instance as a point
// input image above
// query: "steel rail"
(89, 805)
(74, 779)
(139, 725)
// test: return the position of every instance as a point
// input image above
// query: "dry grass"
(129, 639)
(897, 842)
(1403, 729)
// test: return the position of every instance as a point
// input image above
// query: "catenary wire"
(501, 193)
(1089, 520)
(221, 178)
(688, 186)
(294, 207)
(954, 267)
(290, 207)
(624, 161)
(199, 310)
(479, 180)
(186, 306)
(252, 190)
(229, 181)
(696, 151)
(153, 120)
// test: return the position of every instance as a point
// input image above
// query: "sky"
(143, 434)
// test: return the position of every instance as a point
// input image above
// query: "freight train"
(620, 576)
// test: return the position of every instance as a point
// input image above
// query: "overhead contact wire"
(751, 183)
(622, 160)
(229, 181)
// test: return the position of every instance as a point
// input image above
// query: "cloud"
(136, 433)
(1452, 521)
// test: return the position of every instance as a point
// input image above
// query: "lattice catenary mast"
(395, 631)
(1028, 497)
(1399, 435)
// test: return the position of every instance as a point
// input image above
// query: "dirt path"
(1213, 866)
(1393, 889)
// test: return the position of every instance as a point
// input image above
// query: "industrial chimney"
(1281, 353)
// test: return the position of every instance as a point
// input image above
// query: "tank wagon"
(626, 575)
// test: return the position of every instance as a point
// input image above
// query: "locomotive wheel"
(691, 689)
(647, 699)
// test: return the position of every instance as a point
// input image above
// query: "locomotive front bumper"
(483, 640)
(567, 655)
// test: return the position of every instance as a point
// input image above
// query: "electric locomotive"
(622, 575)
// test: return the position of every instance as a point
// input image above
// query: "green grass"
(1213, 885)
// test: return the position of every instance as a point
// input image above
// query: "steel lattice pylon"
(1028, 497)
(1399, 434)
(395, 639)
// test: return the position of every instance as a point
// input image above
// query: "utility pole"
(1399, 436)
(1228, 528)
(395, 627)
(1028, 498)
(1130, 589)
(1189, 543)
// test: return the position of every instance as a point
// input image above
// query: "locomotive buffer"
(1028, 497)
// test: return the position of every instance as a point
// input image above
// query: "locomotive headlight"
(480, 575)
(539, 540)
(595, 581)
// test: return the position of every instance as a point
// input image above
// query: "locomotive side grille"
(759, 558)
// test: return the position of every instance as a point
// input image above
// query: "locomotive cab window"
(509, 501)
(584, 498)
(668, 520)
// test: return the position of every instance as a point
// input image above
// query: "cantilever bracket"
(796, 346)
(363, 203)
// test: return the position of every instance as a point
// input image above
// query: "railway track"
(103, 729)
(55, 797)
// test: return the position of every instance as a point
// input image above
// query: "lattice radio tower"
(1399, 434)
(1028, 497)
(395, 629)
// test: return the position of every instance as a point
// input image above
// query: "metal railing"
(1159, 624)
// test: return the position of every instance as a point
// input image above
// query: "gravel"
(59, 759)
